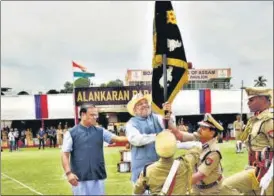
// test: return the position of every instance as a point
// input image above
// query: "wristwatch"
(67, 173)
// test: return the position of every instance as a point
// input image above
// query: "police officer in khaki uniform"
(60, 135)
(258, 136)
(181, 125)
(238, 127)
(153, 176)
(208, 176)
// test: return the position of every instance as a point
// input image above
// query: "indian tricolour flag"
(80, 71)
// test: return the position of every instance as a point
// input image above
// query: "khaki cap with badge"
(260, 91)
(210, 122)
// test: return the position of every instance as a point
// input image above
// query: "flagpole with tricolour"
(76, 117)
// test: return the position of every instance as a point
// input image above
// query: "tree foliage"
(53, 91)
(103, 85)
(82, 82)
(68, 87)
(113, 83)
(23, 93)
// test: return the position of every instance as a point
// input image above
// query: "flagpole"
(165, 77)
(74, 103)
(242, 88)
(75, 109)
(165, 85)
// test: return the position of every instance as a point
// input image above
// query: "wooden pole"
(165, 84)
(242, 89)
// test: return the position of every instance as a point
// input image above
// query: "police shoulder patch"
(208, 161)
(271, 133)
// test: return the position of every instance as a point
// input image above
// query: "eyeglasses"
(94, 115)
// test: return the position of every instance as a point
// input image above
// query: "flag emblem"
(171, 18)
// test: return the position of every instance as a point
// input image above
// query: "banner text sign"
(108, 95)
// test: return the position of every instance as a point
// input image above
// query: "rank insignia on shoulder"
(205, 146)
(208, 161)
(271, 133)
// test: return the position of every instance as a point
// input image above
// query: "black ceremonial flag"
(167, 40)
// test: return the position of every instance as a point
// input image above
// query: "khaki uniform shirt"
(59, 136)
(211, 167)
(238, 125)
(157, 173)
(29, 134)
(257, 142)
(59, 132)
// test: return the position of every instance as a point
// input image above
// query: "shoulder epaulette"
(211, 152)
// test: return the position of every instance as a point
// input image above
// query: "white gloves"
(266, 179)
(189, 145)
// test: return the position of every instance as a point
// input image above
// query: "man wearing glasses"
(83, 153)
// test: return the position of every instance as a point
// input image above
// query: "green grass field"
(30, 171)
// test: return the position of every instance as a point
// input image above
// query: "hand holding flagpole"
(168, 112)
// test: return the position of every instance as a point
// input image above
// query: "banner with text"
(108, 95)
(207, 74)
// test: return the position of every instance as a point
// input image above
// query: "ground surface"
(34, 172)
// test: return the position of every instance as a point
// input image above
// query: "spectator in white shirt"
(11, 140)
(16, 137)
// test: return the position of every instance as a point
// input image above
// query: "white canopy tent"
(60, 106)
(187, 102)
(17, 107)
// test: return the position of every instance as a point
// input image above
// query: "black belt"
(206, 186)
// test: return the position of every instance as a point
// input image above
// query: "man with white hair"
(141, 131)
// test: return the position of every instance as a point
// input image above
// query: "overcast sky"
(40, 39)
